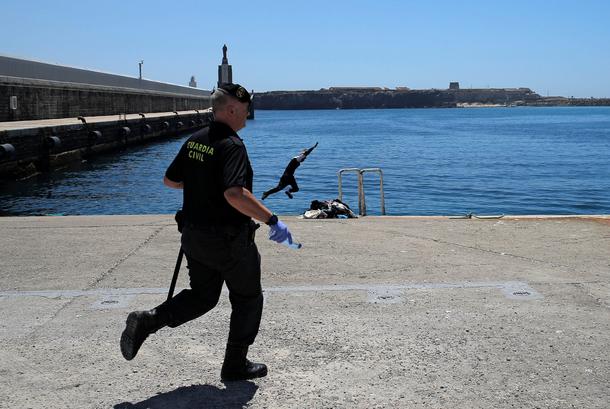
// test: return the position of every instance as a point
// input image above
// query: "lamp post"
(140, 66)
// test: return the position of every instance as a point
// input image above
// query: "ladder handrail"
(381, 194)
(361, 196)
(360, 193)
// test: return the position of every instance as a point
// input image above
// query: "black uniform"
(218, 240)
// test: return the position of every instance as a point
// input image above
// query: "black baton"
(179, 217)
(172, 286)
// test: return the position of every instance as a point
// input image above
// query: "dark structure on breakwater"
(363, 98)
(225, 76)
(225, 70)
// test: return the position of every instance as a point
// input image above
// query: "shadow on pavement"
(234, 395)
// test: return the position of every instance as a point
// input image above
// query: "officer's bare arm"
(244, 201)
(170, 183)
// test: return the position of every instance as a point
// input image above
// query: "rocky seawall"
(370, 98)
(563, 101)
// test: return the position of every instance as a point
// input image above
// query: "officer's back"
(206, 162)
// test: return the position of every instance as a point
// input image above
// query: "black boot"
(237, 367)
(139, 325)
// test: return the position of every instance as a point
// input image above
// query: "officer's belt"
(230, 229)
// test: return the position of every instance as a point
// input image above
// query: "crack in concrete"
(35, 330)
(124, 258)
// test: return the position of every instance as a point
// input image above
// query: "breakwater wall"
(20, 68)
(27, 148)
(32, 99)
(367, 98)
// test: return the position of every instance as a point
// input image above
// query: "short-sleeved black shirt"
(212, 160)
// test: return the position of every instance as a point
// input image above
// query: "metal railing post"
(381, 193)
(360, 192)
(361, 199)
(361, 195)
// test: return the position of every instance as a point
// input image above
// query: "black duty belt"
(221, 228)
(217, 229)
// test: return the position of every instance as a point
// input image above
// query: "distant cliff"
(362, 98)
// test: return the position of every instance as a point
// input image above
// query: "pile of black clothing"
(329, 209)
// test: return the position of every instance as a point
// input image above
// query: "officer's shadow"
(234, 395)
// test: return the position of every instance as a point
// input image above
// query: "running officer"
(213, 169)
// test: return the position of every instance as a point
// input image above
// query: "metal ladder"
(361, 198)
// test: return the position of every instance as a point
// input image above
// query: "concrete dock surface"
(376, 312)
(74, 121)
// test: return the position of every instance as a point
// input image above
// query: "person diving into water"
(287, 179)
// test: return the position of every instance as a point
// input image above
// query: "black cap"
(237, 91)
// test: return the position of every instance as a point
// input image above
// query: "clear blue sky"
(555, 47)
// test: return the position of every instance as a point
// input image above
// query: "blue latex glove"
(279, 232)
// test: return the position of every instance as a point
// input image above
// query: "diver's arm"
(308, 151)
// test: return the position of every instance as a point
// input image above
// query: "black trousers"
(285, 180)
(216, 256)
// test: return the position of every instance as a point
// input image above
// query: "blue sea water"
(435, 161)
